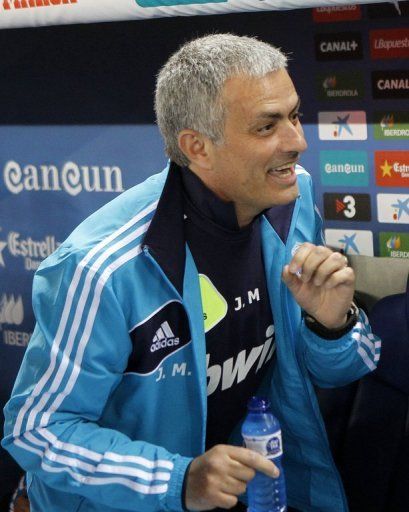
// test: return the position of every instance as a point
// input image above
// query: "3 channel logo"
(346, 206)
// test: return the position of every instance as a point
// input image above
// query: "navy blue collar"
(165, 236)
(206, 203)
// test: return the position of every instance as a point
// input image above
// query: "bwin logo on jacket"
(237, 369)
(163, 338)
(11, 310)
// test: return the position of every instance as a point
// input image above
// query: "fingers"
(319, 265)
(217, 477)
(253, 460)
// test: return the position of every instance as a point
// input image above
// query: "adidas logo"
(163, 338)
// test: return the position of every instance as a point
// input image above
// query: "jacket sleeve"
(334, 363)
(75, 359)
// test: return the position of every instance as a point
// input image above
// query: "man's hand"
(217, 477)
(324, 286)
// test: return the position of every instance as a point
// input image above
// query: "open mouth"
(282, 171)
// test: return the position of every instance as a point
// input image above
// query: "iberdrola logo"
(330, 82)
(387, 121)
(393, 243)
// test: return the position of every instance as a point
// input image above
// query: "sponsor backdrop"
(73, 134)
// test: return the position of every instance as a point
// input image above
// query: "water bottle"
(261, 432)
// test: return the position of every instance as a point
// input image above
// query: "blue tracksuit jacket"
(109, 406)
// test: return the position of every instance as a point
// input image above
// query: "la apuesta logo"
(336, 13)
(392, 168)
(390, 44)
(30, 4)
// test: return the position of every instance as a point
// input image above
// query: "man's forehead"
(272, 92)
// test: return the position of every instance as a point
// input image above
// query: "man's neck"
(244, 216)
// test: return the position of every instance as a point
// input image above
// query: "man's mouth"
(283, 170)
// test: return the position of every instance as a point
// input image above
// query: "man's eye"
(297, 115)
(266, 128)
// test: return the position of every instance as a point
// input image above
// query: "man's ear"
(196, 147)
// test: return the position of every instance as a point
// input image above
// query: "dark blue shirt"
(237, 314)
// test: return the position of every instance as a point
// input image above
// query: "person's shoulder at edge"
(128, 211)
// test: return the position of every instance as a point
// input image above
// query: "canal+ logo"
(338, 46)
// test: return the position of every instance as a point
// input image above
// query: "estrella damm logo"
(392, 168)
(342, 168)
(394, 245)
(391, 125)
(169, 3)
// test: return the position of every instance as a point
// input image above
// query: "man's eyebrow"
(277, 115)
(297, 106)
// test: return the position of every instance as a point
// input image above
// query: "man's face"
(254, 166)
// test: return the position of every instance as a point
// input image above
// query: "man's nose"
(292, 138)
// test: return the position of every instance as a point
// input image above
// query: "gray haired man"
(182, 298)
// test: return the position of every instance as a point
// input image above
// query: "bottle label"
(270, 445)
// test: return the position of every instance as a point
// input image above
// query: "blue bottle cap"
(258, 404)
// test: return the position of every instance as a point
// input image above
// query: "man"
(168, 308)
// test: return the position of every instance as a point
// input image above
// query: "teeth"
(283, 167)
